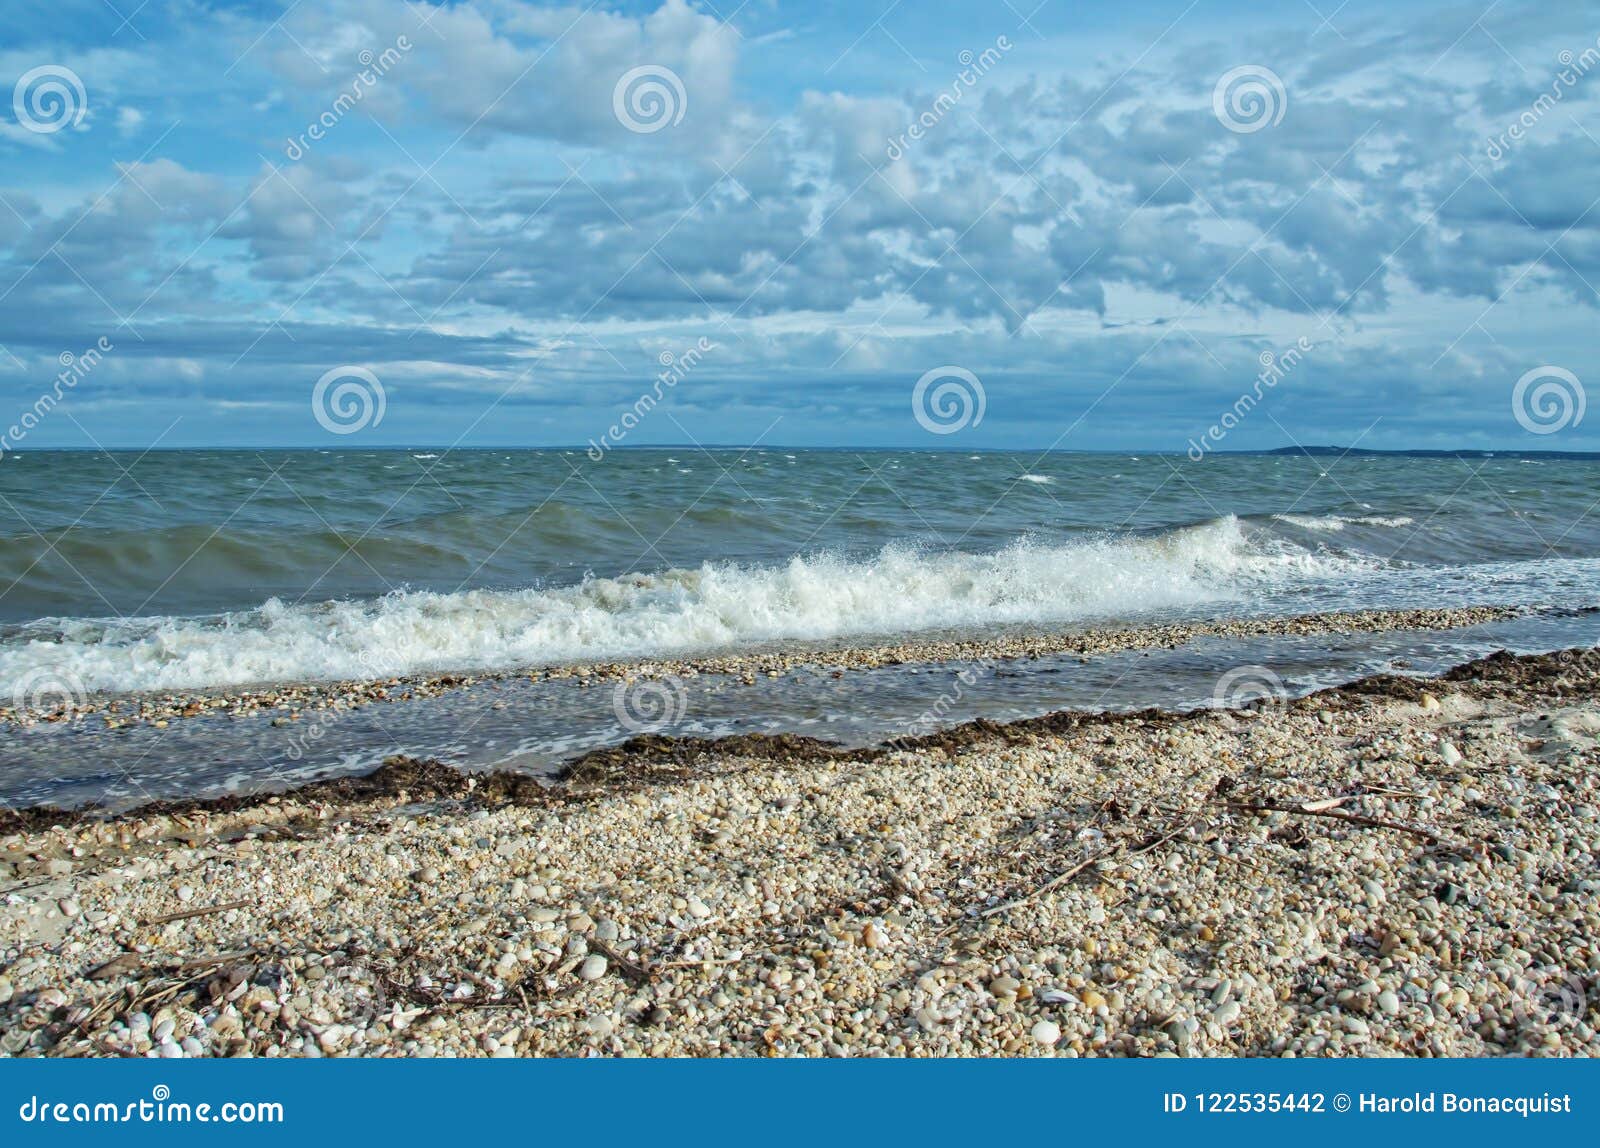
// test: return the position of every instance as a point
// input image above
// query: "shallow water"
(535, 726)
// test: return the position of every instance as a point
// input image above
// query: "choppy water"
(187, 569)
(194, 569)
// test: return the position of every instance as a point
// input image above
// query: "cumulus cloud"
(483, 221)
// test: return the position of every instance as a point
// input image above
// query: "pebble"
(1128, 965)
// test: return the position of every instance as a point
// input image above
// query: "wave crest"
(718, 605)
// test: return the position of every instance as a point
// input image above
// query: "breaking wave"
(715, 606)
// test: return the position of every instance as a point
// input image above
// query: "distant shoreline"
(770, 448)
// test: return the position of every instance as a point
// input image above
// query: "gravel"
(1255, 882)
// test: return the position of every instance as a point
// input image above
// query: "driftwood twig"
(185, 914)
(1062, 878)
(1309, 810)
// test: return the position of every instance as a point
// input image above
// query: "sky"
(1010, 224)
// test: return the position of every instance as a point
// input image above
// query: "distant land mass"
(1340, 451)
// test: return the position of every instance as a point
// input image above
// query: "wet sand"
(1392, 867)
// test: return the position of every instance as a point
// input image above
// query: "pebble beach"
(1395, 867)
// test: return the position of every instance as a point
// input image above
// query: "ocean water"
(181, 570)
(192, 569)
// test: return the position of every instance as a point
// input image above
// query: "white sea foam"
(721, 605)
(1333, 523)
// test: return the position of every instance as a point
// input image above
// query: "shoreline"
(291, 699)
(404, 774)
(1395, 866)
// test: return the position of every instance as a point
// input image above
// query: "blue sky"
(1094, 232)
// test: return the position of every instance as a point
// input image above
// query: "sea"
(174, 571)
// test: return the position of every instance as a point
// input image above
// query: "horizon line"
(584, 448)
